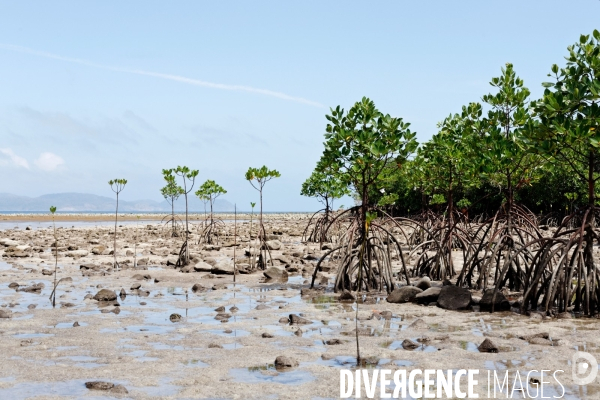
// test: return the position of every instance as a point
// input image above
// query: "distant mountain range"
(90, 202)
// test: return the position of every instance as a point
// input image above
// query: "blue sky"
(96, 90)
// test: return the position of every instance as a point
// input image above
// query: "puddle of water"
(139, 356)
(32, 335)
(232, 346)
(63, 325)
(163, 389)
(468, 346)
(268, 374)
(233, 333)
(4, 266)
(397, 345)
(74, 388)
(162, 346)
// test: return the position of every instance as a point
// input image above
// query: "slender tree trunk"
(55, 261)
(234, 240)
(115, 235)
(172, 216)
(590, 305)
(211, 222)
(186, 256)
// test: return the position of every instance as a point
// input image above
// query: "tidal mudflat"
(151, 330)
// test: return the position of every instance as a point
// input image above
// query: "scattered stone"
(387, 315)
(273, 244)
(46, 272)
(276, 274)
(122, 293)
(215, 346)
(296, 320)
(487, 347)
(222, 316)
(262, 307)
(75, 324)
(540, 341)
(199, 288)
(233, 309)
(13, 285)
(346, 296)
(543, 335)
(203, 267)
(5, 313)
(284, 320)
(32, 306)
(36, 288)
(428, 296)
(283, 362)
(105, 295)
(267, 335)
(333, 342)
(106, 386)
(454, 298)
(500, 303)
(175, 317)
(424, 283)
(418, 324)
(223, 268)
(408, 344)
(135, 286)
(403, 295)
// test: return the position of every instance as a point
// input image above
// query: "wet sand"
(137, 345)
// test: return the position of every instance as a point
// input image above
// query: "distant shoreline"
(26, 216)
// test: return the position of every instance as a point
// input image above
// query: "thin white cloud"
(12, 159)
(49, 161)
(177, 78)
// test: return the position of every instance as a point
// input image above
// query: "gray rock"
(273, 244)
(283, 362)
(296, 320)
(424, 283)
(540, 341)
(428, 296)
(276, 273)
(454, 298)
(500, 303)
(175, 317)
(223, 268)
(403, 295)
(203, 267)
(99, 385)
(199, 288)
(222, 316)
(105, 295)
(215, 346)
(106, 386)
(267, 335)
(47, 272)
(408, 344)
(487, 347)
(5, 313)
(346, 296)
(418, 324)
(135, 286)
